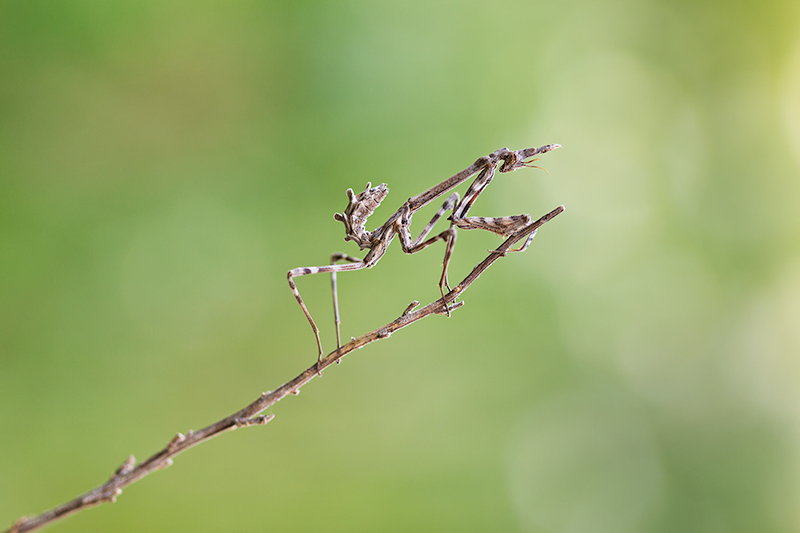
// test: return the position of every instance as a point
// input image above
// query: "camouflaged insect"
(363, 204)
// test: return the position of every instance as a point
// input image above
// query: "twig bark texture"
(130, 471)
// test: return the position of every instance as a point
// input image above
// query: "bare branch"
(130, 472)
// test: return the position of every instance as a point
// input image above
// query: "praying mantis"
(377, 241)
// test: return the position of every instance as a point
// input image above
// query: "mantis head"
(355, 215)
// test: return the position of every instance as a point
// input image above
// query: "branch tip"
(112, 498)
(126, 467)
(177, 439)
(413, 305)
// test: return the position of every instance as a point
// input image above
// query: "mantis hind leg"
(503, 226)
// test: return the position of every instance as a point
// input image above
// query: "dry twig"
(130, 472)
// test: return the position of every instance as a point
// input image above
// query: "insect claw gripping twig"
(360, 206)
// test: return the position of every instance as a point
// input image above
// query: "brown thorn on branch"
(129, 472)
(413, 305)
(126, 467)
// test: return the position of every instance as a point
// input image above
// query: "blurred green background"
(163, 164)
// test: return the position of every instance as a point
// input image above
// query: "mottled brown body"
(363, 204)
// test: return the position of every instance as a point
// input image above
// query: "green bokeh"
(163, 164)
